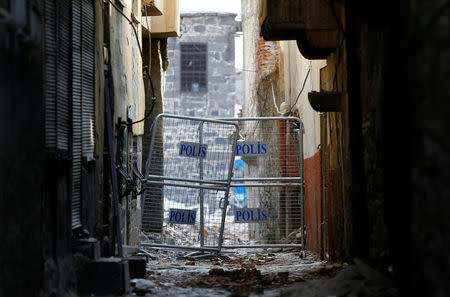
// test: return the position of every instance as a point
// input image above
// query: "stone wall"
(217, 31)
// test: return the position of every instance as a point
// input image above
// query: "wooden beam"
(153, 7)
(167, 25)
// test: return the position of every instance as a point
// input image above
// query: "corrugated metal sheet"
(50, 74)
(57, 74)
(88, 79)
(83, 95)
(76, 113)
(69, 85)
(63, 124)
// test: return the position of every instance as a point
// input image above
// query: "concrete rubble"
(255, 272)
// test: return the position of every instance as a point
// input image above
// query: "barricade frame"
(276, 181)
(200, 183)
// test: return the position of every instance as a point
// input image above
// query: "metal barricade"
(267, 192)
(188, 175)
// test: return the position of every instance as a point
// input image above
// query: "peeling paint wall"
(280, 65)
(128, 95)
(126, 65)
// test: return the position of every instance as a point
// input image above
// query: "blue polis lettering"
(193, 149)
(251, 149)
(182, 216)
(250, 215)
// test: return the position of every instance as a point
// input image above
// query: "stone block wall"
(217, 31)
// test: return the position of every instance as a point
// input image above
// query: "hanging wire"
(146, 68)
(301, 91)
(275, 101)
(149, 37)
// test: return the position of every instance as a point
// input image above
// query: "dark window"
(193, 67)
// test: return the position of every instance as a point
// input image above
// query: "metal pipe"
(187, 186)
(210, 120)
(260, 118)
(266, 179)
(201, 193)
(200, 181)
(113, 168)
(268, 118)
(262, 246)
(193, 248)
(266, 185)
(227, 193)
(223, 183)
(301, 194)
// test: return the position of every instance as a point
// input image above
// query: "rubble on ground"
(239, 272)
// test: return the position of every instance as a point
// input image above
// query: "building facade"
(373, 150)
(75, 199)
(200, 80)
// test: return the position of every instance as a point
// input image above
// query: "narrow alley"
(256, 272)
(224, 148)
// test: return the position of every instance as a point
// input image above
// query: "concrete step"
(137, 265)
(89, 247)
(104, 276)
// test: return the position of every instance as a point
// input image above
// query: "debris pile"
(241, 272)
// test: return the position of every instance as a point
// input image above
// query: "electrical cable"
(149, 37)
(275, 101)
(146, 68)
(301, 91)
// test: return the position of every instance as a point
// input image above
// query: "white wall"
(295, 70)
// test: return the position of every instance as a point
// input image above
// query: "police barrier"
(188, 175)
(267, 190)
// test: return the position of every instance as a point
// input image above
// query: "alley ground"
(256, 272)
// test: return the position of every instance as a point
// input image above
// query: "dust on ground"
(244, 272)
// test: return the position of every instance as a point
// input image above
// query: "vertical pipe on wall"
(113, 169)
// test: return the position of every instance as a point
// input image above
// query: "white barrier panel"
(188, 174)
(267, 191)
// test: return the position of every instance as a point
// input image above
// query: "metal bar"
(301, 194)
(266, 179)
(201, 194)
(296, 119)
(261, 118)
(266, 185)
(268, 118)
(192, 180)
(113, 168)
(227, 193)
(262, 246)
(187, 185)
(192, 248)
(211, 120)
(286, 207)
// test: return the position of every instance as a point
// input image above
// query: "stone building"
(200, 80)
